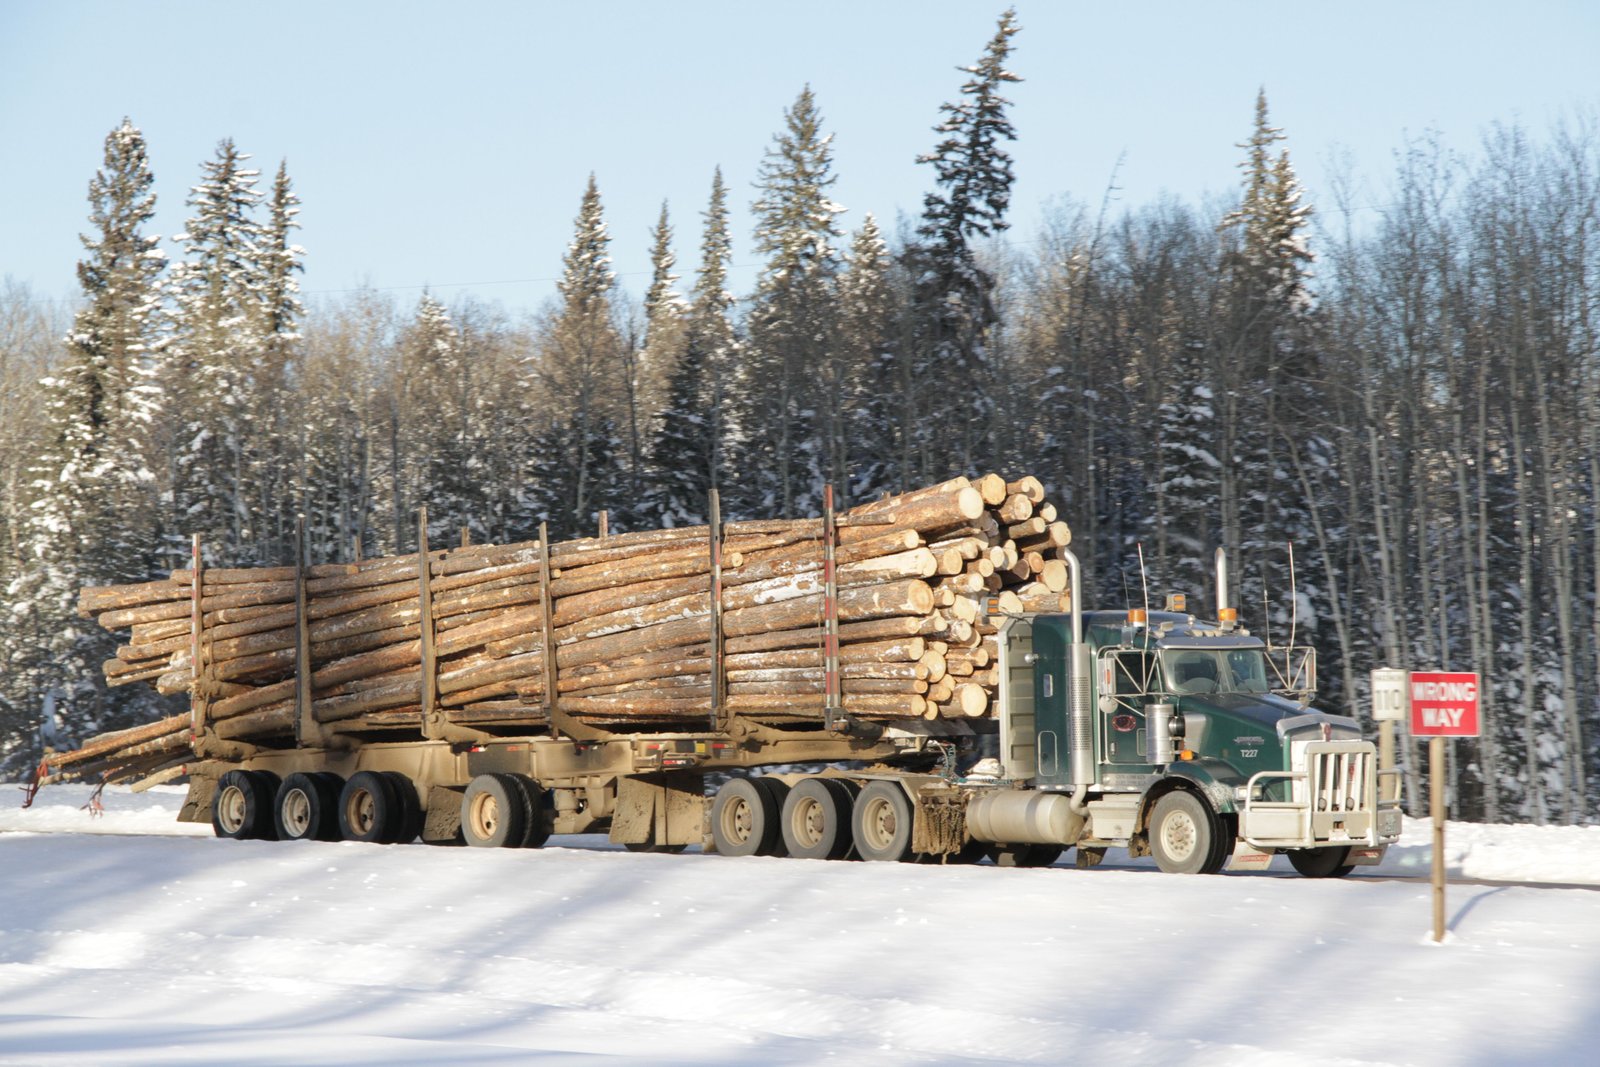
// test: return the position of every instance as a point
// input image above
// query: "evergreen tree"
(215, 361)
(442, 448)
(790, 403)
(869, 345)
(955, 296)
(1264, 376)
(690, 426)
(580, 371)
(93, 518)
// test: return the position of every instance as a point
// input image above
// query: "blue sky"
(448, 145)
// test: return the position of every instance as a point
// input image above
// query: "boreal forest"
(1390, 418)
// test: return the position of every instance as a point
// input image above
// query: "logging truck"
(1187, 740)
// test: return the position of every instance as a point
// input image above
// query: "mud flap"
(197, 805)
(939, 822)
(442, 820)
(659, 809)
(1249, 858)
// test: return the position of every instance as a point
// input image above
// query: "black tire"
(744, 818)
(1025, 855)
(816, 820)
(408, 826)
(1221, 844)
(369, 809)
(1182, 831)
(776, 793)
(881, 822)
(242, 807)
(1321, 862)
(495, 812)
(306, 807)
(537, 831)
(972, 852)
(651, 846)
(1044, 855)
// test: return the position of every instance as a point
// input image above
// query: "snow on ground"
(132, 939)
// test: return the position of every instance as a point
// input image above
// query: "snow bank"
(147, 944)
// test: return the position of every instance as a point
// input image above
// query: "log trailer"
(1190, 741)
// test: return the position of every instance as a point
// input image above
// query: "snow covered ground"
(132, 939)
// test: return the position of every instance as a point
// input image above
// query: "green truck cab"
(1188, 740)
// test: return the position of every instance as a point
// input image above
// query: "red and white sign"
(1443, 704)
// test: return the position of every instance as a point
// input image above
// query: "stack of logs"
(631, 619)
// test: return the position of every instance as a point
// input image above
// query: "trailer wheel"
(408, 810)
(1321, 862)
(494, 812)
(745, 817)
(370, 809)
(242, 806)
(1182, 833)
(306, 808)
(537, 830)
(816, 820)
(881, 823)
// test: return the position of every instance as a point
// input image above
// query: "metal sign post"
(1443, 704)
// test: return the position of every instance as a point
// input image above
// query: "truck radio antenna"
(1293, 604)
(1144, 579)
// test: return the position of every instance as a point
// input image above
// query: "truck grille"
(1340, 779)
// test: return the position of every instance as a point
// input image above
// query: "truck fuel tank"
(1023, 817)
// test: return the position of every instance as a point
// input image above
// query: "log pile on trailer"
(659, 630)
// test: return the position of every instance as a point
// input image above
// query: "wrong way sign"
(1444, 704)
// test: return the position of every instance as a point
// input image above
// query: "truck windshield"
(1215, 670)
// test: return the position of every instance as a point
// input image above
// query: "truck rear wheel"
(1182, 834)
(881, 823)
(371, 809)
(745, 817)
(306, 808)
(242, 807)
(1321, 862)
(816, 820)
(495, 812)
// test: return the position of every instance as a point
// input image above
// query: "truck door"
(1126, 678)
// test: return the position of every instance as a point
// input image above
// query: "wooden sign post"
(1442, 705)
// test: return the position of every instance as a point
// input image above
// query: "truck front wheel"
(1183, 834)
(1321, 862)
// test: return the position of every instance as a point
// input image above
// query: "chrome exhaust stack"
(1227, 616)
(1079, 704)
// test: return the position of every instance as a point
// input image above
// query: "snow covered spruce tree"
(1263, 371)
(869, 324)
(577, 455)
(791, 382)
(226, 368)
(687, 442)
(94, 513)
(954, 300)
(435, 440)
